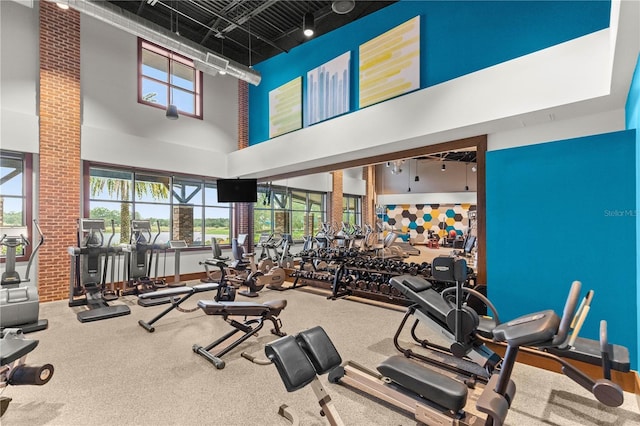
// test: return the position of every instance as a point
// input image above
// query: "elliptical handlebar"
(35, 250)
(567, 314)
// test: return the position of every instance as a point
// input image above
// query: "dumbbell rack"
(362, 276)
(370, 283)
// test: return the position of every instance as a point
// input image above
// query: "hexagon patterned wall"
(414, 221)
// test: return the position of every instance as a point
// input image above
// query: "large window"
(167, 78)
(15, 195)
(351, 209)
(183, 208)
(290, 211)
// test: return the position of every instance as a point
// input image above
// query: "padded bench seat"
(419, 291)
(430, 384)
(178, 291)
(529, 330)
(273, 307)
(14, 349)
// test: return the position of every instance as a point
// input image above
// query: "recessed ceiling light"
(342, 7)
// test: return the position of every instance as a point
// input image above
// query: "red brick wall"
(243, 217)
(368, 202)
(243, 114)
(59, 190)
(336, 198)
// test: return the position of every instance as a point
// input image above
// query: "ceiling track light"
(308, 24)
(444, 167)
(474, 168)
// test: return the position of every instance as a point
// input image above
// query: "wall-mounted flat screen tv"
(237, 190)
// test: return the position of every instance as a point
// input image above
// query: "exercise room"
(319, 212)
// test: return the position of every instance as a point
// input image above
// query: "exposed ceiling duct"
(205, 60)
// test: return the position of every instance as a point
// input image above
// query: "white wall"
(604, 122)
(568, 80)
(320, 182)
(430, 198)
(18, 77)
(456, 176)
(117, 129)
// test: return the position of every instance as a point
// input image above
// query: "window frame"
(199, 205)
(171, 58)
(353, 216)
(270, 209)
(27, 196)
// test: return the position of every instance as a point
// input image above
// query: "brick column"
(243, 114)
(183, 223)
(243, 212)
(310, 224)
(282, 222)
(369, 201)
(60, 172)
(336, 198)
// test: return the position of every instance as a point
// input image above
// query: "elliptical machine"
(87, 283)
(140, 258)
(20, 304)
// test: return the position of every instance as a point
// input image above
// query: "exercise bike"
(19, 303)
(247, 273)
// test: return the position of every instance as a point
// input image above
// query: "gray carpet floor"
(113, 372)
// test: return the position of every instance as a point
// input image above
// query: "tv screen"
(237, 190)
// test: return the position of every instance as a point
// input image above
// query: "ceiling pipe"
(204, 59)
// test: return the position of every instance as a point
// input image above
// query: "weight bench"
(299, 361)
(14, 349)
(176, 296)
(259, 311)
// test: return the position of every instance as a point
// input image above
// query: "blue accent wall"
(632, 111)
(564, 211)
(457, 38)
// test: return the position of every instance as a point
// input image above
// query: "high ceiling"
(247, 31)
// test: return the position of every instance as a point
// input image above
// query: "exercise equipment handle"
(604, 350)
(35, 250)
(567, 314)
(580, 317)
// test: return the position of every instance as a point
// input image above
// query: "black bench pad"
(211, 307)
(320, 349)
(13, 349)
(178, 291)
(292, 363)
(430, 384)
(427, 300)
(529, 330)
